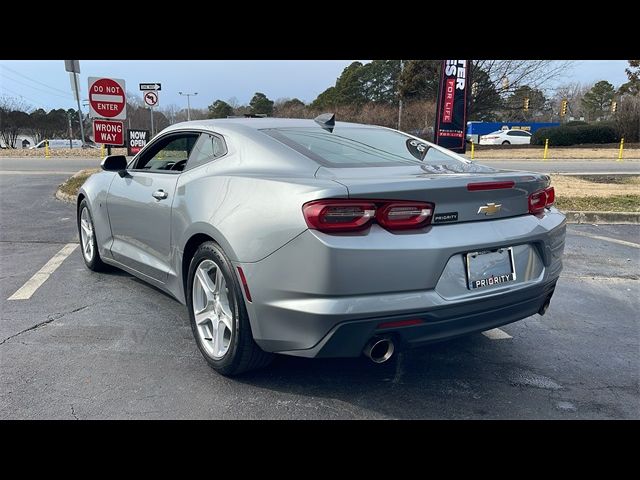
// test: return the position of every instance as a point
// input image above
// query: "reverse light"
(404, 215)
(354, 215)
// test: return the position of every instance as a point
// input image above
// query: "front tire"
(88, 242)
(506, 142)
(218, 315)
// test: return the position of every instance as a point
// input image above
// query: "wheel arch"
(196, 236)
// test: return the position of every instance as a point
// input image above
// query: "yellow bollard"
(102, 150)
(47, 154)
(546, 148)
(472, 149)
(621, 149)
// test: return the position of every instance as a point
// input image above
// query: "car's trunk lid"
(445, 185)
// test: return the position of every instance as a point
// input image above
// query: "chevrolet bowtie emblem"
(490, 208)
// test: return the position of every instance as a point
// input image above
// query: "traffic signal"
(563, 108)
(526, 104)
(614, 107)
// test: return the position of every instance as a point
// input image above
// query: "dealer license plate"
(490, 267)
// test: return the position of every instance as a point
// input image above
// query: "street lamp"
(188, 103)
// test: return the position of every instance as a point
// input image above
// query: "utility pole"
(75, 78)
(400, 97)
(70, 132)
(73, 67)
(188, 103)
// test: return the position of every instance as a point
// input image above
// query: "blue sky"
(44, 83)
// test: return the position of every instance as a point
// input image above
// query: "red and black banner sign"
(451, 111)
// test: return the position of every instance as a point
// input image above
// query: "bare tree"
(13, 119)
(234, 102)
(509, 75)
(573, 92)
(171, 112)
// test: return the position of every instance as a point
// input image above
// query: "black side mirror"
(114, 163)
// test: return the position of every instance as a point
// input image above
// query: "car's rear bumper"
(320, 286)
(348, 339)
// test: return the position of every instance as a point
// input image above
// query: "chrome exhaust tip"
(379, 349)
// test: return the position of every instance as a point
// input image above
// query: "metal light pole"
(188, 103)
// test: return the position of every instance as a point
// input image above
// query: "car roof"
(242, 124)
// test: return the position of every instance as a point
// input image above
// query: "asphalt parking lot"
(85, 345)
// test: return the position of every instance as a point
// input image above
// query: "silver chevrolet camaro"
(319, 238)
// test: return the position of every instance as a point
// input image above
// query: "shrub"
(580, 134)
(575, 123)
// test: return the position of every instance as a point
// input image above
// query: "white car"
(506, 137)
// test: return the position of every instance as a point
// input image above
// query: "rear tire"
(215, 303)
(88, 242)
(506, 142)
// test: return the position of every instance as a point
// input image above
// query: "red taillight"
(551, 196)
(403, 215)
(541, 199)
(338, 215)
(474, 187)
(354, 215)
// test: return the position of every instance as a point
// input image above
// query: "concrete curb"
(65, 197)
(610, 218)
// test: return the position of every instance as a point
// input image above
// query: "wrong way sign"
(107, 98)
(107, 132)
(151, 98)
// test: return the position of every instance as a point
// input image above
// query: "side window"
(169, 153)
(206, 149)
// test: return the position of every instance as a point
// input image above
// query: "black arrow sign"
(150, 86)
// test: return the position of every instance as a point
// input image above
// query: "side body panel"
(140, 223)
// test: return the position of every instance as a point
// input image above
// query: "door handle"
(160, 194)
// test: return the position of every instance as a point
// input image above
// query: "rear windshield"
(359, 147)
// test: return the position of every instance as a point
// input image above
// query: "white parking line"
(35, 172)
(496, 334)
(29, 288)
(606, 239)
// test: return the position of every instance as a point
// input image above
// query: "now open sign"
(136, 139)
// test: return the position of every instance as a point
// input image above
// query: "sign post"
(73, 67)
(107, 99)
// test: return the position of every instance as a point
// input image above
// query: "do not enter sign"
(107, 98)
